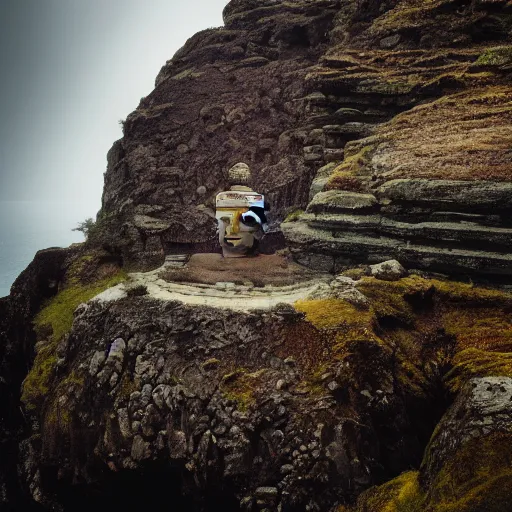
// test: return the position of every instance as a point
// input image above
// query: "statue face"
(235, 237)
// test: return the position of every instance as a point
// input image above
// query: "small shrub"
(86, 227)
(137, 291)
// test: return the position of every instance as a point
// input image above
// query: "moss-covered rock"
(498, 56)
(467, 463)
(402, 494)
(52, 323)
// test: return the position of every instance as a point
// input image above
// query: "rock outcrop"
(466, 466)
(404, 101)
(299, 405)
(229, 95)
(431, 186)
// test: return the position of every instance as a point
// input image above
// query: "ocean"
(28, 226)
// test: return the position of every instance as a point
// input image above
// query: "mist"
(71, 71)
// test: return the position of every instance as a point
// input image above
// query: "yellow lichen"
(58, 312)
(477, 477)
(188, 73)
(389, 298)
(344, 176)
(241, 386)
(402, 494)
(480, 327)
(473, 362)
(37, 383)
(498, 56)
(334, 314)
(294, 215)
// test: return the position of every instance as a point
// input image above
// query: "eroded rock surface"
(384, 130)
(406, 102)
(298, 405)
(466, 465)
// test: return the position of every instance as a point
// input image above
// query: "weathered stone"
(482, 408)
(388, 270)
(124, 423)
(390, 42)
(339, 201)
(360, 248)
(177, 444)
(469, 194)
(97, 360)
(140, 449)
(286, 469)
(151, 223)
(266, 492)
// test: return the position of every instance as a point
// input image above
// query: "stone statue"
(240, 214)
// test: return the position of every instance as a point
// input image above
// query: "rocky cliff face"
(230, 94)
(300, 405)
(405, 103)
(380, 130)
(427, 180)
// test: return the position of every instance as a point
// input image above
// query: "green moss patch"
(241, 386)
(433, 328)
(461, 329)
(188, 73)
(37, 383)
(473, 362)
(56, 318)
(338, 315)
(58, 312)
(415, 332)
(389, 299)
(480, 327)
(402, 494)
(477, 477)
(499, 56)
(294, 215)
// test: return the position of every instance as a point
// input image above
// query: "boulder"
(390, 270)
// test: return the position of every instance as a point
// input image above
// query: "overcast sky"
(70, 70)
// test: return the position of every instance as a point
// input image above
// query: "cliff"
(405, 103)
(136, 371)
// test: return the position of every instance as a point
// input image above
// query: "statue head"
(239, 174)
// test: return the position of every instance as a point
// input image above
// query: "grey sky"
(70, 70)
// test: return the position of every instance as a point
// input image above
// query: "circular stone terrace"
(240, 284)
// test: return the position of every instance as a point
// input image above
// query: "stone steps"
(176, 260)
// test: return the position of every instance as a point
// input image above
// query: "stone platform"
(242, 284)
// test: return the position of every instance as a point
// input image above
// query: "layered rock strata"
(328, 95)
(432, 187)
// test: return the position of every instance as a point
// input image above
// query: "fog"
(71, 70)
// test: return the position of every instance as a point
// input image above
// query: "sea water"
(28, 226)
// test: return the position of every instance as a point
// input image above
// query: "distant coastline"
(29, 226)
